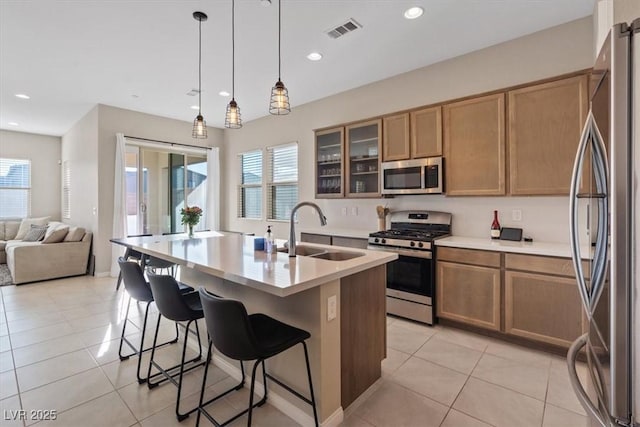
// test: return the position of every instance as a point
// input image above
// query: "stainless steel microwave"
(418, 176)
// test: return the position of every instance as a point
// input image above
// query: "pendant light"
(232, 118)
(279, 104)
(199, 125)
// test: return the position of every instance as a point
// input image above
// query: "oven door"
(411, 278)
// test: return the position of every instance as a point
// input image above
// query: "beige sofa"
(35, 261)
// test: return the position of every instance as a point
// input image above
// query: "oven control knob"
(383, 241)
(413, 244)
(420, 245)
(376, 240)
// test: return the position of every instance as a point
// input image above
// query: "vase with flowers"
(191, 217)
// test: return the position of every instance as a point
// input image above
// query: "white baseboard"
(102, 274)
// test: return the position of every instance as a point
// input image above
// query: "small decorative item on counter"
(382, 212)
(495, 226)
(258, 244)
(191, 217)
(269, 241)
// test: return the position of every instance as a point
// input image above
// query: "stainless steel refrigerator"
(605, 241)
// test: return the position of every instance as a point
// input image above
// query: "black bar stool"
(138, 289)
(178, 307)
(244, 337)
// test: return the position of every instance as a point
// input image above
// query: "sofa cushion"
(2, 230)
(75, 234)
(57, 235)
(26, 223)
(2, 245)
(11, 230)
(35, 233)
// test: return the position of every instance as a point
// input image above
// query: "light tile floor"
(59, 351)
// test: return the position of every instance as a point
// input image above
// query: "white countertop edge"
(562, 250)
(338, 232)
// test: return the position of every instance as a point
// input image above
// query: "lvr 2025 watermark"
(30, 415)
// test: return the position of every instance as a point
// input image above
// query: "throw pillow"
(35, 233)
(75, 234)
(26, 223)
(57, 235)
(53, 226)
(2, 230)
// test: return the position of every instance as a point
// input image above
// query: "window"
(250, 188)
(66, 190)
(15, 188)
(282, 186)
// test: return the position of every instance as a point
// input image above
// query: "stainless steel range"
(411, 278)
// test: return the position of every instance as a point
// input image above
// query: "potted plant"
(191, 217)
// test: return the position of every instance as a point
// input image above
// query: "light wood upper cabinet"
(545, 122)
(395, 137)
(329, 163)
(474, 146)
(362, 160)
(426, 132)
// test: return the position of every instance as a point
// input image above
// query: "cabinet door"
(426, 132)
(350, 242)
(321, 239)
(364, 142)
(469, 294)
(329, 165)
(395, 137)
(545, 122)
(474, 146)
(542, 307)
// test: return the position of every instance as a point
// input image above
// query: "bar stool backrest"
(169, 300)
(229, 328)
(134, 281)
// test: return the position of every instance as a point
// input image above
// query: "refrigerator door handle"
(573, 215)
(577, 385)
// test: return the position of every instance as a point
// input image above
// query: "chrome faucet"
(292, 229)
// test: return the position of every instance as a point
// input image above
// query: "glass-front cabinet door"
(363, 165)
(329, 163)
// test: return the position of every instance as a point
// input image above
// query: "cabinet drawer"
(541, 264)
(469, 256)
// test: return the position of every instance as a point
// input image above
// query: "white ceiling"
(70, 55)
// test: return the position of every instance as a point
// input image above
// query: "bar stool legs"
(169, 374)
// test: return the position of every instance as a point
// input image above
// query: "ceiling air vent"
(193, 92)
(341, 30)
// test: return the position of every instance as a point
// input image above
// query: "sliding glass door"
(159, 184)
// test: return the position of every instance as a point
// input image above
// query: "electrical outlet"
(354, 210)
(516, 215)
(343, 211)
(332, 308)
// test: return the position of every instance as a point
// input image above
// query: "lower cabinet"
(538, 298)
(469, 294)
(324, 239)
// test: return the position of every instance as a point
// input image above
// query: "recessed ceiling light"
(13, 124)
(223, 93)
(22, 96)
(134, 96)
(413, 12)
(195, 107)
(314, 56)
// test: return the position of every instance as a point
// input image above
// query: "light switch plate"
(516, 215)
(343, 211)
(354, 210)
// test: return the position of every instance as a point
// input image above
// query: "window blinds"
(282, 185)
(15, 188)
(66, 190)
(250, 188)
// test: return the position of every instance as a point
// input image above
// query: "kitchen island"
(340, 302)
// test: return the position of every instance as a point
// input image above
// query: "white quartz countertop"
(231, 256)
(532, 248)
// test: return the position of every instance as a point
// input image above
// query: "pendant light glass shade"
(279, 104)
(232, 118)
(199, 125)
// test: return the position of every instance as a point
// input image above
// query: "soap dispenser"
(269, 241)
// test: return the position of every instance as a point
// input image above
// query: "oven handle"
(405, 252)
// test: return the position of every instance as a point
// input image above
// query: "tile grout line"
(15, 373)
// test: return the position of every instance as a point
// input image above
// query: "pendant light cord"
(199, 66)
(279, 35)
(233, 49)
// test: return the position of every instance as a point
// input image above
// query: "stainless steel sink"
(338, 256)
(303, 250)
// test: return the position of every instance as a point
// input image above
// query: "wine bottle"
(495, 226)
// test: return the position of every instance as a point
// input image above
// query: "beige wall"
(90, 146)
(44, 153)
(555, 51)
